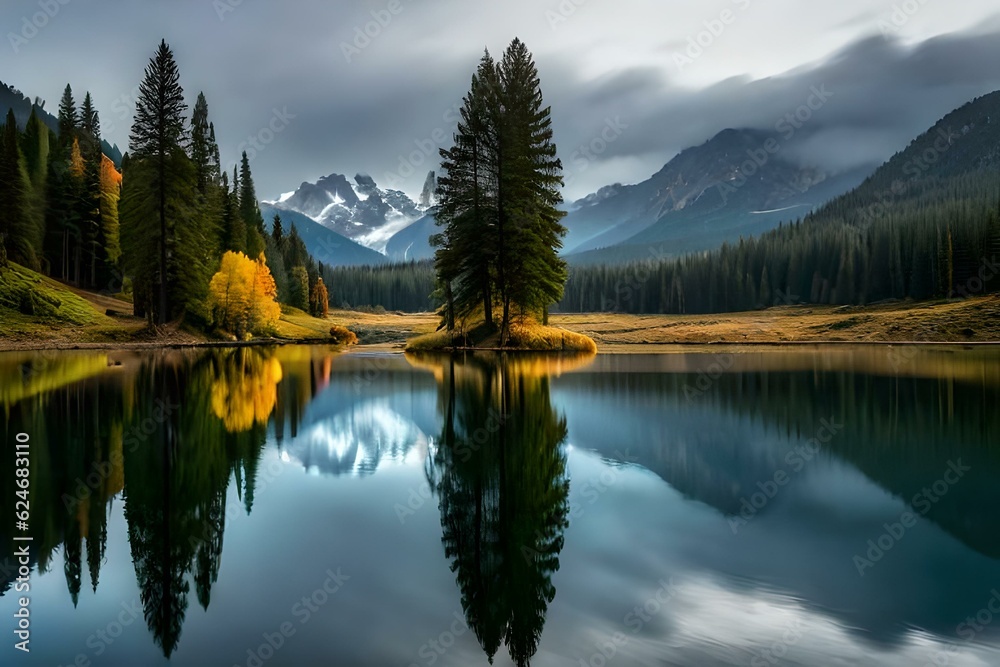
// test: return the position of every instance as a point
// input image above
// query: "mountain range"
(739, 183)
(356, 209)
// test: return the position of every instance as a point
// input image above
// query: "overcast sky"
(621, 76)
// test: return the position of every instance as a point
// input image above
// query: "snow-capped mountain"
(357, 209)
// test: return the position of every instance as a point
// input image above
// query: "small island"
(523, 335)
(497, 260)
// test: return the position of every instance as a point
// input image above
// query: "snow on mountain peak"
(356, 208)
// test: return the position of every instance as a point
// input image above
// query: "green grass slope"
(30, 301)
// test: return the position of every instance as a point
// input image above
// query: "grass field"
(969, 320)
(68, 318)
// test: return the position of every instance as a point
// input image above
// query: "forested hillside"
(926, 224)
(170, 231)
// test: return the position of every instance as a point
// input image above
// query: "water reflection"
(500, 472)
(899, 433)
(167, 433)
(155, 456)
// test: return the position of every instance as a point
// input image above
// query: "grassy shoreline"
(103, 322)
(524, 337)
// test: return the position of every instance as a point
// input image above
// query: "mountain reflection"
(500, 473)
(357, 440)
(134, 455)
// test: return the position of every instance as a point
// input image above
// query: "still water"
(300, 506)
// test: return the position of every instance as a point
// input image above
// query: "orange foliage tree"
(111, 187)
(242, 295)
(319, 300)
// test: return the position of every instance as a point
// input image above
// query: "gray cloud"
(614, 61)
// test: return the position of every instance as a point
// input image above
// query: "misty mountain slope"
(325, 245)
(736, 184)
(358, 210)
(412, 242)
(964, 143)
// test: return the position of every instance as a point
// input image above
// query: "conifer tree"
(250, 210)
(167, 220)
(234, 231)
(62, 224)
(35, 149)
(530, 188)
(468, 208)
(499, 196)
(277, 231)
(319, 300)
(16, 228)
(94, 251)
(205, 156)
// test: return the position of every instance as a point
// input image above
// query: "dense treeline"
(59, 196)
(499, 194)
(940, 241)
(404, 287)
(157, 231)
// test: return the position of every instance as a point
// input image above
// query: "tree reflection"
(245, 388)
(500, 472)
(166, 431)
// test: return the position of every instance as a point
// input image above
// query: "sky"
(312, 87)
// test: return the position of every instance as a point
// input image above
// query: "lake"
(303, 506)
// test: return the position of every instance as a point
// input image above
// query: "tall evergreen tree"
(499, 197)
(250, 210)
(234, 232)
(62, 225)
(468, 207)
(16, 228)
(205, 156)
(532, 179)
(277, 231)
(166, 219)
(92, 229)
(35, 149)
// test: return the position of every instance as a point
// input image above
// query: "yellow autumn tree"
(76, 163)
(242, 295)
